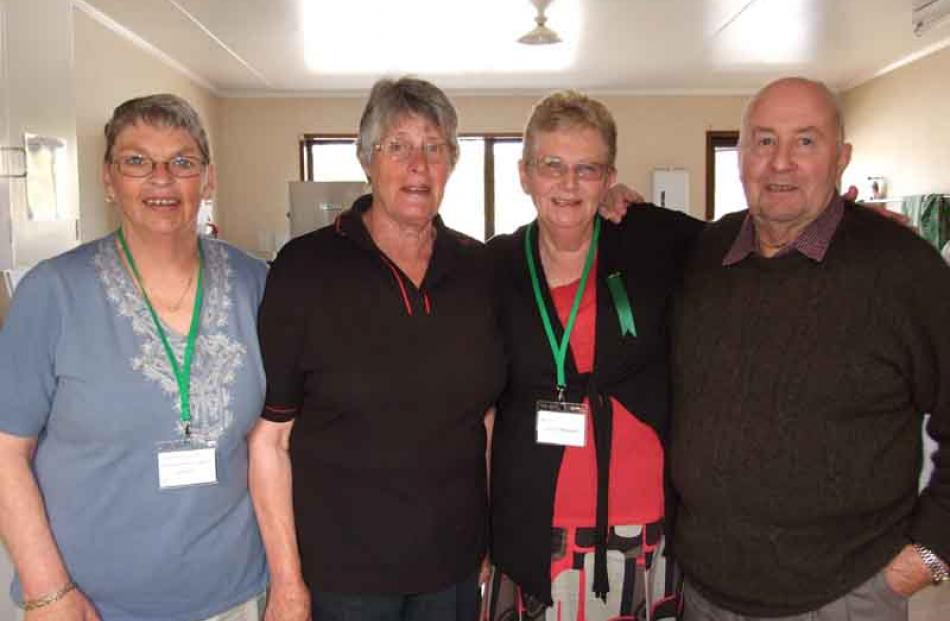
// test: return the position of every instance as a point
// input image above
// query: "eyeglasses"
(180, 166)
(402, 151)
(553, 167)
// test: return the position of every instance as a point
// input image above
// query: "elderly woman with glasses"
(578, 442)
(129, 378)
(380, 342)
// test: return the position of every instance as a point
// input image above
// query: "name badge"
(186, 463)
(561, 424)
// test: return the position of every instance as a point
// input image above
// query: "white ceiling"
(272, 47)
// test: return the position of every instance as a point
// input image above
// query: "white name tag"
(183, 466)
(561, 424)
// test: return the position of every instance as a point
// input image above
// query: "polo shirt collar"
(444, 250)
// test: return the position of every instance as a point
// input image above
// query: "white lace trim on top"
(217, 355)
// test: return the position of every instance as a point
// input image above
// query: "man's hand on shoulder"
(614, 205)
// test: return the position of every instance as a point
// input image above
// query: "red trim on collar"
(402, 285)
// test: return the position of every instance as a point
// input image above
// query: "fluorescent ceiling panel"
(773, 32)
(434, 36)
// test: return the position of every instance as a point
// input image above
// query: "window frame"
(715, 139)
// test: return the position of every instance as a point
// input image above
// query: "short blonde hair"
(570, 109)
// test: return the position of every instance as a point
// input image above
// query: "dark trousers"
(458, 602)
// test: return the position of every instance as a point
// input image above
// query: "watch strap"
(939, 572)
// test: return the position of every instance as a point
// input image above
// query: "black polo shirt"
(388, 384)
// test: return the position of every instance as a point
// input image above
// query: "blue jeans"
(458, 602)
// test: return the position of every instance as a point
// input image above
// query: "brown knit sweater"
(799, 389)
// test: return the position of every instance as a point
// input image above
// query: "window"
(483, 196)
(724, 193)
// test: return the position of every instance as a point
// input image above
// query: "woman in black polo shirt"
(381, 347)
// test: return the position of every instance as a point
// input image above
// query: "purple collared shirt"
(813, 242)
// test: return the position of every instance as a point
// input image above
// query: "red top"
(636, 462)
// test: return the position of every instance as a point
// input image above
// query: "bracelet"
(49, 598)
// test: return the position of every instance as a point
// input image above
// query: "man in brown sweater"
(811, 337)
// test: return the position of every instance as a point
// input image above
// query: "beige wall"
(258, 146)
(899, 125)
(108, 70)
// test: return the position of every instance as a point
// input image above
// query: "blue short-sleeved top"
(83, 370)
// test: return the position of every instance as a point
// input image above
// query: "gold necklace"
(173, 308)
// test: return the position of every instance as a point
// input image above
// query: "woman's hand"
(74, 606)
(25, 530)
(288, 602)
(269, 479)
(884, 212)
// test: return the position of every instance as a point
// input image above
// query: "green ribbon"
(622, 304)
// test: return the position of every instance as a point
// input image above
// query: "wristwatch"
(939, 572)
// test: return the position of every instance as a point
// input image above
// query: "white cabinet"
(37, 97)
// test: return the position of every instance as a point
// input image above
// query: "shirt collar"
(444, 250)
(813, 241)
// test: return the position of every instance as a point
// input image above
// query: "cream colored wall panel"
(900, 128)
(109, 70)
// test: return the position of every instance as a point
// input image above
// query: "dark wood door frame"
(714, 140)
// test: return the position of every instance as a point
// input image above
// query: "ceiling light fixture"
(541, 34)
(926, 14)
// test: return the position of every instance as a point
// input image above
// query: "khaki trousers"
(872, 601)
(251, 610)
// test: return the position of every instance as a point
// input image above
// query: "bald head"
(825, 101)
(791, 155)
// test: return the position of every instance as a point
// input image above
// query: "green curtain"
(930, 214)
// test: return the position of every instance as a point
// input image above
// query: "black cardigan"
(648, 249)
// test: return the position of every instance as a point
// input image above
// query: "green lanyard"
(560, 351)
(183, 371)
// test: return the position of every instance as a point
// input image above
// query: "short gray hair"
(834, 101)
(161, 110)
(391, 100)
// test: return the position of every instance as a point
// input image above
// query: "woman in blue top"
(129, 377)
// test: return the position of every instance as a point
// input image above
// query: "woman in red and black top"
(578, 458)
